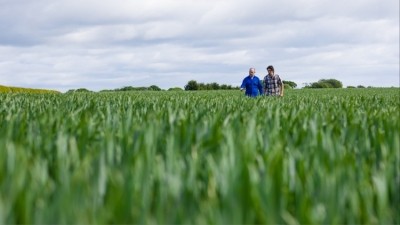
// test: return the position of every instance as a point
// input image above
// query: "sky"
(109, 44)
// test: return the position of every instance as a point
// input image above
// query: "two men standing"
(273, 85)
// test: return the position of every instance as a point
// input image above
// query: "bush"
(175, 89)
(326, 83)
(290, 83)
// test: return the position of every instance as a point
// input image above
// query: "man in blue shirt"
(252, 84)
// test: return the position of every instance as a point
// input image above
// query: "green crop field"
(312, 157)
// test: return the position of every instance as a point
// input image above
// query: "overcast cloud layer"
(69, 44)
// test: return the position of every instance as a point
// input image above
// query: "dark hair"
(270, 67)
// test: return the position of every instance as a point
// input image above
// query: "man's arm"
(243, 86)
(260, 87)
(264, 86)
(282, 87)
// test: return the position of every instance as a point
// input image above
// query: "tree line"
(127, 88)
(130, 88)
(193, 85)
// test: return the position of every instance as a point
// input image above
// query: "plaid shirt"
(272, 85)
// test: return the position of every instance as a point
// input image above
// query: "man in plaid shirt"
(273, 83)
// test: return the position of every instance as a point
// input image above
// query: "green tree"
(290, 83)
(325, 83)
(175, 89)
(214, 86)
(79, 90)
(202, 86)
(127, 88)
(154, 88)
(333, 83)
(320, 84)
(192, 86)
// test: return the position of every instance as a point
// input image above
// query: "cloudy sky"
(108, 44)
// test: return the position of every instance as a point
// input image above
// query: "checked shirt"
(272, 84)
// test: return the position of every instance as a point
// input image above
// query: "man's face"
(252, 72)
(270, 72)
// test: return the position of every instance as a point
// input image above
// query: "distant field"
(6, 89)
(327, 156)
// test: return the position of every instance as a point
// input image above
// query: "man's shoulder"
(276, 77)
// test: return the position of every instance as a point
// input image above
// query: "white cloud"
(110, 44)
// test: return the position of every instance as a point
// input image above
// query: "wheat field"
(327, 156)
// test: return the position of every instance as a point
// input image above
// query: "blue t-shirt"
(252, 85)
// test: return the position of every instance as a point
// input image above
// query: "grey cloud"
(108, 44)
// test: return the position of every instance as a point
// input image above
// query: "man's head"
(270, 70)
(252, 72)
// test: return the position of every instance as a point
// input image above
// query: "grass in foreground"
(314, 156)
